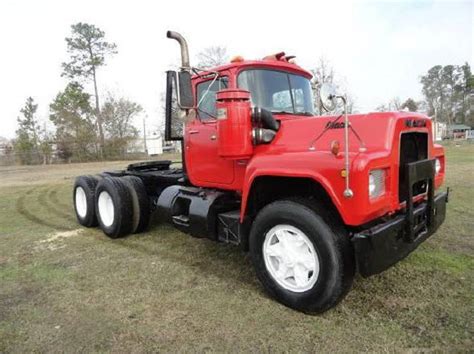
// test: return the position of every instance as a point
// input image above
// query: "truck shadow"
(228, 263)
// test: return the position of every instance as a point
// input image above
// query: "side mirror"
(173, 113)
(185, 91)
(327, 96)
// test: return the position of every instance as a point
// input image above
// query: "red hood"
(376, 130)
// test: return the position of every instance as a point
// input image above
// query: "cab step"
(229, 228)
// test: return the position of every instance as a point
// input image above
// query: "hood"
(375, 130)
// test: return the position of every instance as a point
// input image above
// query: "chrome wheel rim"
(290, 258)
(81, 202)
(106, 208)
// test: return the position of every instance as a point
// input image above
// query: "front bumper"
(380, 247)
(385, 244)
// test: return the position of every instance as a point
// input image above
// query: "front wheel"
(302, 258)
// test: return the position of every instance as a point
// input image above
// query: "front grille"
(413, 147)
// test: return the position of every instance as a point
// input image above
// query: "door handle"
(194, 131)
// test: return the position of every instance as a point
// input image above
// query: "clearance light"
(237, 59)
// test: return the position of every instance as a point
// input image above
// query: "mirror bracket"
(328, 97)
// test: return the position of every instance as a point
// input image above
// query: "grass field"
(64, 288)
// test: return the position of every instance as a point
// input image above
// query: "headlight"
(437, 165)
(376, 183)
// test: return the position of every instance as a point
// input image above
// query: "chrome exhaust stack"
(184, 49)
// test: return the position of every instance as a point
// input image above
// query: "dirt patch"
(53, 242)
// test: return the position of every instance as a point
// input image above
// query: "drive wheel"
(114, 207)
(84, 200)
(141, 203)
(301, 259)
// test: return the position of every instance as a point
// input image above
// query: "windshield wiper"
(281, 112)
(309, 114)
(294, 113)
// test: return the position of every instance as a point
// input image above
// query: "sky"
(378, 49)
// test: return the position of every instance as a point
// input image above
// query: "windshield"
(278, 91)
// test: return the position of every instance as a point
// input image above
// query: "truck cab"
(269, 85)
(314, 199)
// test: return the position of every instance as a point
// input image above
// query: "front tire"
(302, 258)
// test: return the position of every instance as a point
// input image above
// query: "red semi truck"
(314, 199)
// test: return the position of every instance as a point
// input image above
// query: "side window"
(206, 97)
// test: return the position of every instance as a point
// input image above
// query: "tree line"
(447, 94)
(86, 129)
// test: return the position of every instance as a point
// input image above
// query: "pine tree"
(88, 50)
(26, 142)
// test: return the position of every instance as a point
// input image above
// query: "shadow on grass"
(228, 263)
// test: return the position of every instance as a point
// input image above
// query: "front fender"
(297, 165)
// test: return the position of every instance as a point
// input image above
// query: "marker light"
(438, 166)
(335, 147)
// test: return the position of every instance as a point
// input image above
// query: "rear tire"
(84, 200)
(141, 203)
(114, 207)
(313, 268)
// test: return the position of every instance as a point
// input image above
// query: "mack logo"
(415, 123)
(335, 125)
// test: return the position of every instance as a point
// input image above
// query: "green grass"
(67, 289)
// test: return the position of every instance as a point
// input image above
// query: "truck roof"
(265, 63)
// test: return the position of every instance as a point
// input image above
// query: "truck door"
(202, 161)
